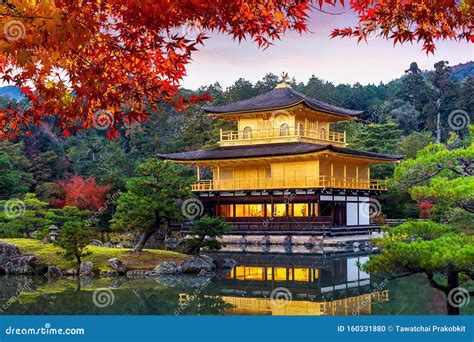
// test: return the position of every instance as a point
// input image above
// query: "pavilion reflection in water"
(315, 285)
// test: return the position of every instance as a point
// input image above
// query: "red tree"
(426, 208)
(106, 62)
(84, 193)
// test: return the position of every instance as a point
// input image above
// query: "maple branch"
(23, 16)
(86, 60)
(325, 12)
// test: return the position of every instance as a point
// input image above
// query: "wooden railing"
(290, 183)
(282, 134)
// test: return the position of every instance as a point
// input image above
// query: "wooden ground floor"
(294, 213)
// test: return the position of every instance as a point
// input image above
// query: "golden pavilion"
(284, 170)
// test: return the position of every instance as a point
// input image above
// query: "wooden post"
(332, 174)
(357, 175)
(218, 177)
(345, 175)
(198, 172)
(368, 174)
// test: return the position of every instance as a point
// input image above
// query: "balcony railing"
(290, 183)
(277, 135)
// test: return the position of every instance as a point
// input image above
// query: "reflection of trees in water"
(410, 296)
(131, 297)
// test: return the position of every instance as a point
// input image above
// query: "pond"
(262, 283)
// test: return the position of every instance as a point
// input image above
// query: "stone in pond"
(86, 269)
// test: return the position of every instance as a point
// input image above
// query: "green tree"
(380, 138)
(45, 167)
(93, 155)
(446, 96)
(438, 247)
(466, 96)
(409, 145)
(406, 117)
(414, 88)
(69, 214)
(19, 218)
(205, 231)
(73, 238)
(151, 198)
(267, 83)
(240, 90)
(15, 177)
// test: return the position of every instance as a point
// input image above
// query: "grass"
(48, 254)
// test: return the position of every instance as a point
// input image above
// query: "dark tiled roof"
(278, 98)
(269, 150)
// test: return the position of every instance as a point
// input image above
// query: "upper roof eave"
(278, 98)
(265, 151)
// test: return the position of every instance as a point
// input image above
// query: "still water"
(262, 283)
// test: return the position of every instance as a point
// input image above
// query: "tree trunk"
(27, 232)
(148, 233)
(78, 258)
(438, 123)
(453, 283)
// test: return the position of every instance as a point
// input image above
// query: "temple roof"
(279, 98)
(270, 150)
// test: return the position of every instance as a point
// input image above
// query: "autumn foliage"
(83, 193)
(408, 21)
(105, 63)
(426, 208)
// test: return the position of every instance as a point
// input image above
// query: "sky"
(314, 53)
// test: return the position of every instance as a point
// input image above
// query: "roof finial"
(284, 81)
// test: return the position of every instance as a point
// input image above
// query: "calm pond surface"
(263, 283)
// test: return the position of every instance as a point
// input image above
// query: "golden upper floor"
(323, 171)
(282, 115)
(283, 166)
